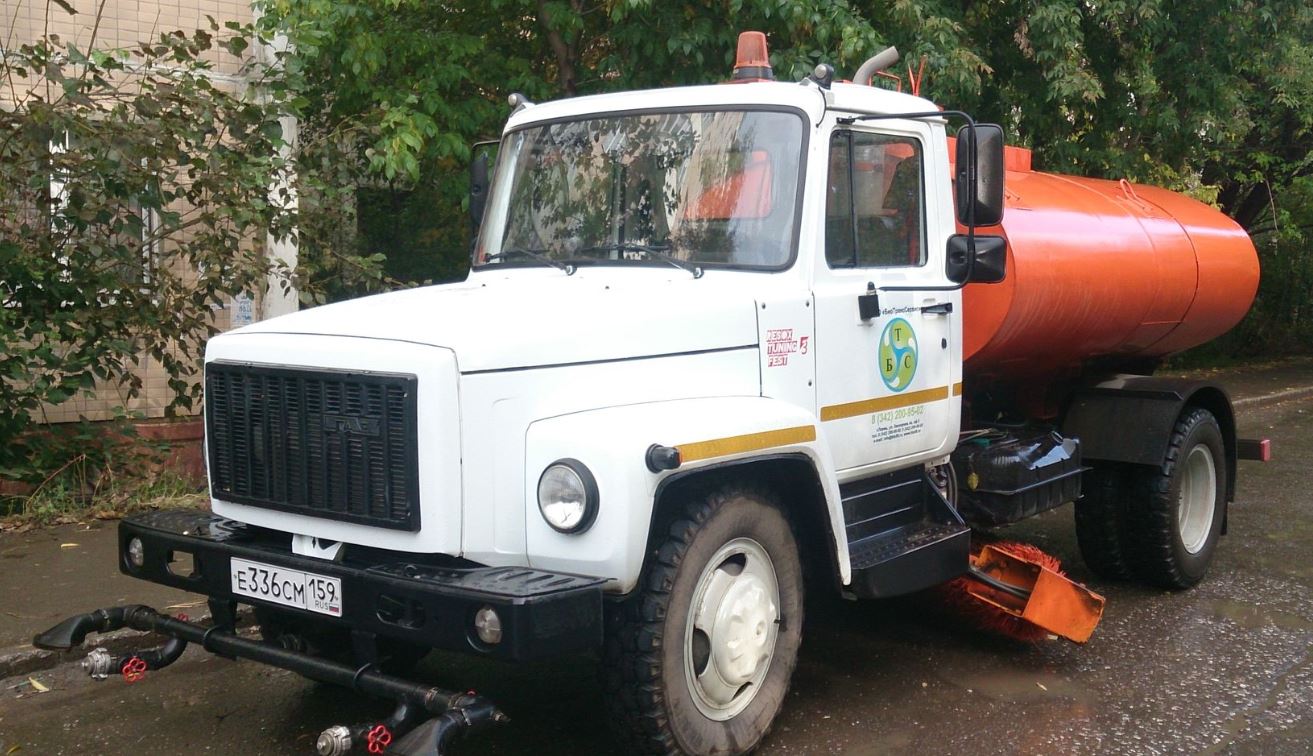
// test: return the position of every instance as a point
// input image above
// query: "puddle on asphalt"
(1254, 617)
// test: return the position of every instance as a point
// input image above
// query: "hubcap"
(1197, 498)
(732, 627)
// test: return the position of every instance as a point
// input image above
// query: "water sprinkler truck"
(714, 338)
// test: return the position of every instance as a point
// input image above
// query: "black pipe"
(155, 658)
(365, 679)
(454, 713)
(72, 631)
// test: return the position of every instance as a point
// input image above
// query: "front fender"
(613, 443)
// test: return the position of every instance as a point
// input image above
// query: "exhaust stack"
(875, 64)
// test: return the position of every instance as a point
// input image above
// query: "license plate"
(279, 585)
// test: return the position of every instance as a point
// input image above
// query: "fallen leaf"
(37, 686)
(14, 749)
(68, 545)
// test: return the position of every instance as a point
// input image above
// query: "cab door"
(884, 316)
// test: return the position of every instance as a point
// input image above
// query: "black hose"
(72, 631)
(156, 658)
(366, 679)
(453, 712)
(995, 583)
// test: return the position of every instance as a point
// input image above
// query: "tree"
(134, 198)
(1212, 98)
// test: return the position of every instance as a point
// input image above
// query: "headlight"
(567, 496)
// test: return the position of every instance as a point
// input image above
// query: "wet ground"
(1224, 668)
(44, 572)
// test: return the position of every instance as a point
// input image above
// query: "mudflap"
(1032, 592)
(426, 721)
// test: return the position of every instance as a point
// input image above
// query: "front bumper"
(542, 613)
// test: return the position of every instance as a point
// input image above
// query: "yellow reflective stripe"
(957, 389)
(880, 404)
(721, 447)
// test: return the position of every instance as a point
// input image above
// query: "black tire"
(1155, 547)
(303, 634)
(650, 697)
(1101, 522)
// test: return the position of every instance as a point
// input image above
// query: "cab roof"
(807, 97)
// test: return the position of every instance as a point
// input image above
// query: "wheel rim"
(732, 627)
(1197, 499)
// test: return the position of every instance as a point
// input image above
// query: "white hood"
(535, 318)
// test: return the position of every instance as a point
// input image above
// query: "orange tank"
(1102, 270)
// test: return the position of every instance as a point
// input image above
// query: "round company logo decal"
(898, 353)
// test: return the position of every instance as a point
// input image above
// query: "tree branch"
(564, 55)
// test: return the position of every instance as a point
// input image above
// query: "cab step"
(924, 541)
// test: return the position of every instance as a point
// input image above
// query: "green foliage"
(1214, 99)
(71, 466)
(134, 192)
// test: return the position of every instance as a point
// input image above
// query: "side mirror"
(989, 264)
(479, 183)
(985, 195)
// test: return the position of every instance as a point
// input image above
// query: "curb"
(24, 660)
(1273, 398)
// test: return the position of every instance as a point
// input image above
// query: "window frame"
(848, 133)
(804, 154)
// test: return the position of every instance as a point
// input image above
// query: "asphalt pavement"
(1222, 668)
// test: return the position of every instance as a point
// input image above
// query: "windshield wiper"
(657, 251)
(534, 254)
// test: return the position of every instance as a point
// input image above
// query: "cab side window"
(875, 211)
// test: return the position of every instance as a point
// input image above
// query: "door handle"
(942, 308)
(868, 304)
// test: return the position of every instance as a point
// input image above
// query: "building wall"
(123, 23)
(108, 24)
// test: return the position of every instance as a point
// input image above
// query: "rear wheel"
(1175, 523)
(699, 659)
(1101, 522)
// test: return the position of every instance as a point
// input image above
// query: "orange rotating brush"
(1018, 591)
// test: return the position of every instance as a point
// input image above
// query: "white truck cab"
(755, 345)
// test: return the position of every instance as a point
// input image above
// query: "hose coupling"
(335, 741)
(99, 664)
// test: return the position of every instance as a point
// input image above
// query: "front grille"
(324, 443)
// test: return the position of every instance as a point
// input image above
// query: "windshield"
(704, 188)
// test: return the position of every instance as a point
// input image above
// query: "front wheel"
(1174, 527)
(699, 659)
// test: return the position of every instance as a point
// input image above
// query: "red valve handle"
(134, 669)
(378, 739)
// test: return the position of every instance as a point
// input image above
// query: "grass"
(75, 493)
